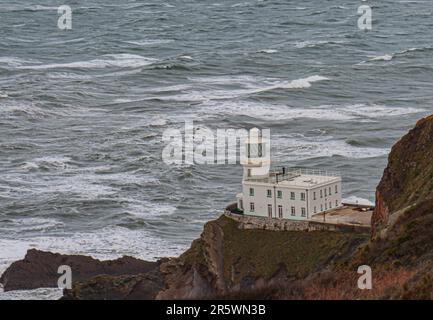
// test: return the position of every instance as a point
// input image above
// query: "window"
(326, 206)
(336, 203)
(321, 207)
(292, 211)
(252, 206)
(292, 196)
(249, 173)
(251, 192)
(260, 150)
(255, 150)
(279, 194)
(303, 212)
(303, 196)
(315, 211)
(329, 191)
(336, 188)
(326, 194)
(270, 210)
(321, 194)
(241, 204)
(330, 204)
(269, 193)
(280, 211)
(314, 195)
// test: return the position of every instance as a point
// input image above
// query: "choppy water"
(82, 111)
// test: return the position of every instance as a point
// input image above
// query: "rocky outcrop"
(408, 177)
(39, 269)
(143, 286)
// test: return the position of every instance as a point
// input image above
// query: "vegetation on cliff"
(408, 177)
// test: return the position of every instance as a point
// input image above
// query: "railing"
(314, 172)
(291, 173)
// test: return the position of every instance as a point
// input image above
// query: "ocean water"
(82, 111)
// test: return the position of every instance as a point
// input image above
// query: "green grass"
(261, 253)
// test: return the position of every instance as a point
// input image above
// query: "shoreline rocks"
(39, 269)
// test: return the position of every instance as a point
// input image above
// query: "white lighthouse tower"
(256, 160)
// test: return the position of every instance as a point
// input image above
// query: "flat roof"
(308, 180)
(299, 180)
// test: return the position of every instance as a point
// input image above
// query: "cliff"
(408, 177)
(228, 261)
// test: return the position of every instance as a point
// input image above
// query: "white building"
(296, 194)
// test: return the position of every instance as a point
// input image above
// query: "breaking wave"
(324, 112)
(106, 61)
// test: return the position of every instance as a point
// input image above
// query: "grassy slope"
(261, 253)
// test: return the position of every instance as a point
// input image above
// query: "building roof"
(308, 181)
(302, 178)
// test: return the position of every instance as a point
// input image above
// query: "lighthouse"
(256, 159)
(289, 193)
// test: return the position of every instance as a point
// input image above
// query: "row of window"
(326, 191)
(293, 209)
(326, 206)
(280, 210)
(279, 194)
(293, 195)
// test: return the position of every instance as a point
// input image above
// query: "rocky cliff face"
(408, 178)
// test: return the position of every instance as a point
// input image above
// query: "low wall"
(263, 223)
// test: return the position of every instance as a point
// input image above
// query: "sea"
(83, 110)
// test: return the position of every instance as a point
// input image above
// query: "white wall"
(325, 202)
(261, 200)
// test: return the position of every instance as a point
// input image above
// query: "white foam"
(302, 83)
(150, 121)
(75, 183)
(142, 208)
(81, 186)
(68, 75)
(14, 61)
(55, 161)
(294, 148)
(391, 56)
(16, 108)
(245, 86)
(106, 61)
(157, 122)
(38, 294)
(185, 57)
(149, 42)
(386, 57)
(30, 224)
(268, 51)
(324, 112)
(310, 43)
(42, 8)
